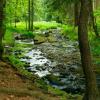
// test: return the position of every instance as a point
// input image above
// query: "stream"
(56, 62)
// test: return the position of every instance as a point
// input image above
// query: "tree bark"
(16, 12)
(76, 12)
(91, 87)
(29, 15)
(93, 19)
(2, 31)
(32, 14)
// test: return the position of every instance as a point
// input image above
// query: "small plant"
(69, 31)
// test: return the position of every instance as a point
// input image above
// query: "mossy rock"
(51, 38)
(42, 38)
(39, 39)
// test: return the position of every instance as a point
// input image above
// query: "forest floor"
(15, 87)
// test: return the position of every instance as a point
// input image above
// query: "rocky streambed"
(56, 60)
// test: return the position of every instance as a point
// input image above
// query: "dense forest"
(49, 49)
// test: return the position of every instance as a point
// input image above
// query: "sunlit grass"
(45, 25)
(20, 26)
(42, 25)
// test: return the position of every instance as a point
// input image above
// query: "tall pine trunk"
(16, 12)
(2, 31)
(32, 14)
(91, 87)
(93, 19)
(76, 12)
(29, 15)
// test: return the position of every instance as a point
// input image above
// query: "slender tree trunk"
(2, 31)
(29, 15)
(32, 14)
(10, 19)
(26, 23)
(91, 87)
(76, 12)
(93, 19)
(16, 11)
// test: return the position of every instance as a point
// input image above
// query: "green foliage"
(15, 11)
(95, 46)
(97, 16)
(59, 10)
(20, 26)
(43, 25)
(28, 34)
(69, 31)
(21, 29)
(97, 12)
(8, 37)
(10, 31)
(16, 61)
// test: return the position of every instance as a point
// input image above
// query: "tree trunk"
(32, 15)
(2, 31)
(16, 11)
(91, 87)
(29, 15)
(76, 12)
(26, 22)
(93, 19)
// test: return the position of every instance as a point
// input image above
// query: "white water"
(36, 60)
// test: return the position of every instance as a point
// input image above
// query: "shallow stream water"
(58, 63)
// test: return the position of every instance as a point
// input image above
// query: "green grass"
(17, 63)
(20, 26)
(9, 35)
(8, 38)
(21, 29)
(63, 94)
(43, 25)
(70, 32)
